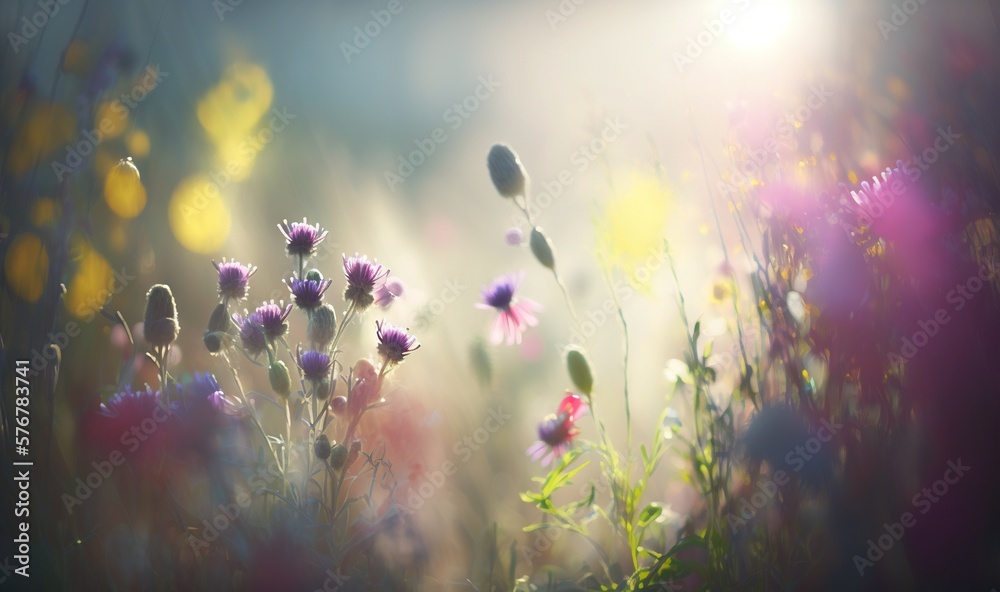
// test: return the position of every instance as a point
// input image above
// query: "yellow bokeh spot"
(112, 118)
(91, 284)
(236, 158)
(630, 234)
(48, 127)
(137, 143)
(198, 216)
(852, 176)
(43, 211)
(26, 266)
(231, 109)
(123, 190)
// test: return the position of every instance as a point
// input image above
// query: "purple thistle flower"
(204, 389)
(307, 294)
(315, 365)
(234, 278)
(129, 403)
(363, 277)
(272, 318)
(394, 343)
(252, 336)
(388, 292)
(301, 238)
(515, 314)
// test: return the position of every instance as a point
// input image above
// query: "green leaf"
(649, 514)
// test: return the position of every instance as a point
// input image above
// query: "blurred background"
(374, 119)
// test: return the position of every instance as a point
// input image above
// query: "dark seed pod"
(542, 248)
(506, 171)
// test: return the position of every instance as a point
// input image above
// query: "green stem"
(253, 415)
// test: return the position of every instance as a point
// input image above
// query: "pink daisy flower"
(515, 314)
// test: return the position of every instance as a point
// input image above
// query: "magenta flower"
(301, 238)
(515, 314)
(394, 343)
(363, 278)
(234, 279)
(272, 319)
(315, 365)
(556, 431)
(307, 294)
(388, 292)
(252, 336)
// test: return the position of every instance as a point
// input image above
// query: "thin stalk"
(253, 415)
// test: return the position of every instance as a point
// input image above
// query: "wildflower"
(307, 294)
(315, 365)
(363, 277)
(160, 321)
(203, 411)
(203, 387)
(388, 292)
(506, 171)
(515, 314)
(556, 431)
(252, 336)
(322, 327)
(394, 343)
(301, 238)
(125, 413)
(234, 279)
(272, 319)
(322, 447)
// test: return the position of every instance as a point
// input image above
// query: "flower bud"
(322, 447)
(160, 321)
(338, 405)
(281, 383)
(322, 327)
(338, 456)
(542, 248)
(506, 171)
(314, 275)
(218, 328)
(579, 370)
